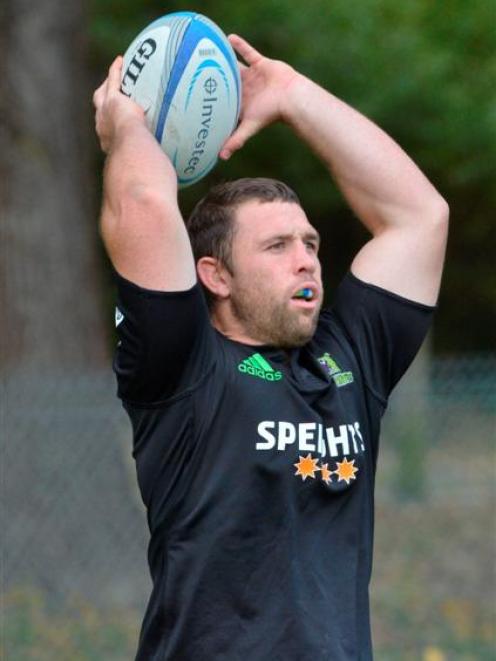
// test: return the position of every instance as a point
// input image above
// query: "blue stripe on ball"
(198, 29)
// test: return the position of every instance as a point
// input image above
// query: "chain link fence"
(74, 574)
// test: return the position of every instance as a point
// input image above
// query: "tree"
(50, 272)
(60, 444)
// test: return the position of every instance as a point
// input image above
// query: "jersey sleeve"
(165, 342)
(385, 330)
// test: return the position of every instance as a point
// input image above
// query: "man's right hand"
(113, 109)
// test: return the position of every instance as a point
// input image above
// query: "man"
(256, 416)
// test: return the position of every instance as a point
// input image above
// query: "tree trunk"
(51, 288)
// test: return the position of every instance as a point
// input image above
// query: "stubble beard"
(271, 322)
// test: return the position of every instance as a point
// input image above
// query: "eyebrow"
(312, 235)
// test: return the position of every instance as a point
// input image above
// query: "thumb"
(246, 129)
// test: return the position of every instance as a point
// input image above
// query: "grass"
(35, 631)
(433, 586)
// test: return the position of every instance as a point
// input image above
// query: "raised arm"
(386, 190)
(141, 224)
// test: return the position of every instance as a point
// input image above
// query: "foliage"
(432, 595)
(421, 70)
(35, 630)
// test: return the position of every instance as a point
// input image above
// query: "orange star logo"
(306, 467)
(325, 473)
(346, 470)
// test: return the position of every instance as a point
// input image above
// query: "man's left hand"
(265, 84)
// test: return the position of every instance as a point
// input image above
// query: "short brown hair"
(211, 223)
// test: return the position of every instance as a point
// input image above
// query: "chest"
(304, 417)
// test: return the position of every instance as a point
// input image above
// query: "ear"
(214, 276)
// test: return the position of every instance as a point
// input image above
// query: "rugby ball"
(183, 72)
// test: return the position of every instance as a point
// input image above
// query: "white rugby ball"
(183, 72)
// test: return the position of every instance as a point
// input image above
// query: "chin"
(294, 337)
(273, 323)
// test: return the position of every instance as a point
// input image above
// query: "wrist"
(293, 96)
(128, 122)
(128, 128)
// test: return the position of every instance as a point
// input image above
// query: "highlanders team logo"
(339, 377)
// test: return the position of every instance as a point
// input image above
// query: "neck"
(223, 320)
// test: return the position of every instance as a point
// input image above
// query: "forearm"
(136, 167)
(380, 182)
(141, 224)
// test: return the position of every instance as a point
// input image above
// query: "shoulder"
(382, 329)
(166, 342)
(354, 298)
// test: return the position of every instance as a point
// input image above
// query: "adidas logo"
(256, 365)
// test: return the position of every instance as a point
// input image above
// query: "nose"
(305, 259)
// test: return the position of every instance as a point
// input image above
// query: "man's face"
(274, 256)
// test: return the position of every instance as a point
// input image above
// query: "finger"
(245, 130)
(243, 48)
(114, 75)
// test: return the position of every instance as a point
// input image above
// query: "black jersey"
(256, 466)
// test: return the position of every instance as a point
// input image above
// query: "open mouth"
(305, 294)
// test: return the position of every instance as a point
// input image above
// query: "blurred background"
(74, 572)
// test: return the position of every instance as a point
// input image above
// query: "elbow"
(437, 216)
(442, 211)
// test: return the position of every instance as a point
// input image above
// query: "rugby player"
(256, 414)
